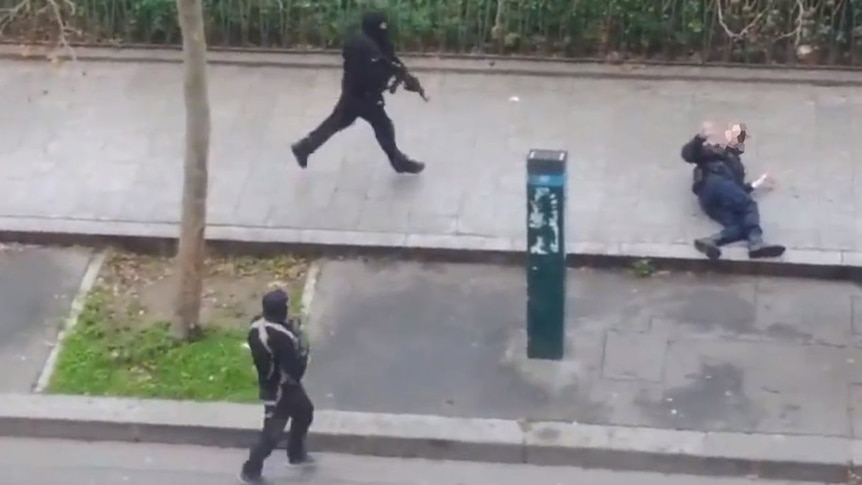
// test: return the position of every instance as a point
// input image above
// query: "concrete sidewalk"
(101, 154)
(698, 374)
(702, 353)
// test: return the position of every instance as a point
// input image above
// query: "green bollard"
(546, 254)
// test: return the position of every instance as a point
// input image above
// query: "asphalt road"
(50, 462)
(37, 286)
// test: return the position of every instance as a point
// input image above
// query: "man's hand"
(764, 182)
(294, 323)
(712, 135)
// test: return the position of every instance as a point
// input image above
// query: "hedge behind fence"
(811, 31)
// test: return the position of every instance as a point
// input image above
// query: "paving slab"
(673, 351)
(37, 286)
(95, 148)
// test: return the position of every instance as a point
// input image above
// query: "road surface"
(37, 286)
(49, 462)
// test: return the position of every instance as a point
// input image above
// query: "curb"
(784, 457)
(460, 65)
(309, 288)
(160, 238)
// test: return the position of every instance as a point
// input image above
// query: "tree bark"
(191, 250)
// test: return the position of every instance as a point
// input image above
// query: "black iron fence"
(747, 31)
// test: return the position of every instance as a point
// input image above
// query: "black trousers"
(725, 202)
(345, 113)
(294, 406)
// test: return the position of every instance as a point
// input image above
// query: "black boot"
(306, 460)
(709, 246)
(301, 152)
(249, 476)
(251, 480)
(405, 164)
(301, 457)
(759, 249)
(763, 250)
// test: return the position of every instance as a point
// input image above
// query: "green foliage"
(643, 268)
(106, 357)
(752, 30)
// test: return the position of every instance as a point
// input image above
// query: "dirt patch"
(141, 288)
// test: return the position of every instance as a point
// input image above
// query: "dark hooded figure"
(369, 65)
(280, 359)
(725, 196)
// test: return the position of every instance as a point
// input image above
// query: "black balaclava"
(275, 304)
(376, 26)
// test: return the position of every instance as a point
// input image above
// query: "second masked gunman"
(280, 355)
(370, 64)
(724, 195)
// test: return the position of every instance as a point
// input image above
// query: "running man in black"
(369, 65)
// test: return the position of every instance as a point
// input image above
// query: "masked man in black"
(280, 356)
(724, 195)
(369, 65)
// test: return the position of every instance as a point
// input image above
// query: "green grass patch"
(122, 345)
(100, 358)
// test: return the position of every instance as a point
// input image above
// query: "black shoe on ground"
(707, 246)
(300, 153)
(763, 250)
(250, 480)
(409, 166)
(305, 461)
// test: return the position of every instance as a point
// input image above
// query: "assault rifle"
(296, 325)
(410, 82)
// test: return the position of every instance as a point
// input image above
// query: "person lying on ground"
(718, 181)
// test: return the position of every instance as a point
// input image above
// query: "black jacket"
(369, 59)
(277, 348)
(713, 161)
(278, 356)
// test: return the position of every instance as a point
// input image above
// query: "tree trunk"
(190, 254)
